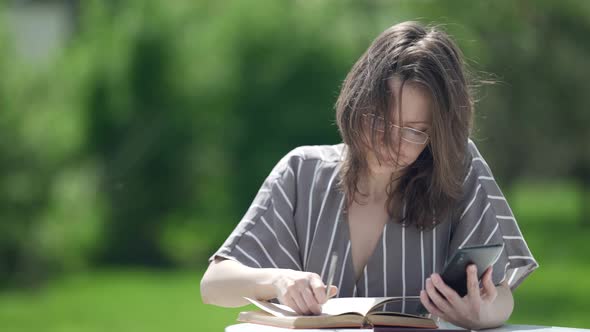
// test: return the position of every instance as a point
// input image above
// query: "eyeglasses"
(407, 134)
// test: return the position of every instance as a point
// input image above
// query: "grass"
(115, 301)
(550, 220)
(144, 300)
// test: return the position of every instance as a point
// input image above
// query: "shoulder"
(329, 154)
(479, 176)
(305, 156)
(323, 153)
(478, 166)
(473, 150)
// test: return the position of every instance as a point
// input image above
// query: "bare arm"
(226, 282)
(502, 306)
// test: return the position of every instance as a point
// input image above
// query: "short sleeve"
(484, 217)
(266, 236)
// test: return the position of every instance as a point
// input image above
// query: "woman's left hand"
(473, 311)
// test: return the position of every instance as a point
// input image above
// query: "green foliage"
(144, 140)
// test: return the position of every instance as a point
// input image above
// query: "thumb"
(333, 291)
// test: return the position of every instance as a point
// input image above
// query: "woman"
(404, 191)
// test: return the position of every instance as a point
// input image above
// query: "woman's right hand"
(303, 292)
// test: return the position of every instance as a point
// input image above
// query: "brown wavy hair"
(430, 187)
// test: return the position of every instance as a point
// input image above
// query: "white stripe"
(512, 277)
(468, 173)
(403, 269)
(344, 266)
(483, 162)
(285, 196)
(322, 157)
(384, 261)
(485, 177)
(262, 207)
(246, 221)
(315, 173)
(522, 257)
(329, 253)
(471, 202)
(519, 232)
(505, 218)
(303, 155)
(317, 224)
(491, 234)
(289, 169)
(354, 291)
(510, 237)
(422, 255)
(434, 250)
(505, 269)
(242, 225)
(479, 159)
(476, 225)
(335, 149)
(262, 247)
(286, 226)
(264, 190)
(279, 243)
(366, 283)
(499, 255)
(246, 254)
(497, 197)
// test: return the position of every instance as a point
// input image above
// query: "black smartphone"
(455, 275)
(455, 270)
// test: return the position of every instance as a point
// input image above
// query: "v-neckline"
(348, 240)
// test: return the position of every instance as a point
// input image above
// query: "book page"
(278, 310)
(335, 306)
(360, 305)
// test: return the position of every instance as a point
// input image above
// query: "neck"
(375, 185)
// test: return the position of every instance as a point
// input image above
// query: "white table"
(247, 327)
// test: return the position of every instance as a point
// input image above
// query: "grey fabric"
(297, 219)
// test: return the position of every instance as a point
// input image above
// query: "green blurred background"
(134, 135)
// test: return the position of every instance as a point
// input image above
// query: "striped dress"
(297, 218)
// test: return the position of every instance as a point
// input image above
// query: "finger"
(473, 283)
(441, 303)
(288, 301)
(431, 307)
(304, 310)
(445, 290)
(488, 286)
(311, 301)
(319, 290)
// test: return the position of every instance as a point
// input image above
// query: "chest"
(365, 223)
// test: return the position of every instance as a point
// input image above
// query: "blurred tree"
(146, 138)
(51, 212)
(538, 50)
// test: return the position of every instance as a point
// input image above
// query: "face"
(416, 104)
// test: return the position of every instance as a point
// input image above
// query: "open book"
(359, 312)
